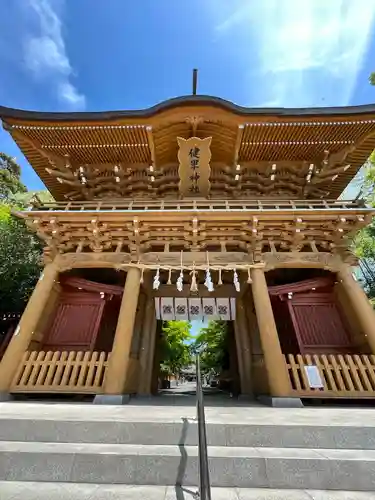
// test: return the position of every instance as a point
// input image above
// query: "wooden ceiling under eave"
(239, 135)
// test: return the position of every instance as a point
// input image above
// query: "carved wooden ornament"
(194, 157)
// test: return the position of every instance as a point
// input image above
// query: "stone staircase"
(252, 449)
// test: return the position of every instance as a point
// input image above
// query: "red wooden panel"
(302, 286)
(318, 323)
(91, 286)
(285, 328)
(76, 322)
(106, 334)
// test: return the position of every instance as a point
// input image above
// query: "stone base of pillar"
(5, 396)
(246, 397)
(278, 402)
(111, 399)
(144, 395)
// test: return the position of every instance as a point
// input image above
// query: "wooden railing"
(68, 372)
(342, 375)
(186, 204)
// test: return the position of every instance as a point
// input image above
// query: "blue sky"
(122, 54)
(64, 55)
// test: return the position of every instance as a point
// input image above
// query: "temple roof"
(256, 152)
(188, 100)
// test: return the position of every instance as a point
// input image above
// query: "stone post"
(27, 326)
(273, 358)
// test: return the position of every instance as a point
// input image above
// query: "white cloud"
(45, 52)
(308, 52)
(69, 93)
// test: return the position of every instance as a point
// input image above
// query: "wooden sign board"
(313, 376)
(194, 157)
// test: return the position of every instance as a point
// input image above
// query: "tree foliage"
(10, 182)
(364, 242)
(20, 259)
(24, 198)
(212, 343)
(20, 250)
(372, 78)
(175, 347)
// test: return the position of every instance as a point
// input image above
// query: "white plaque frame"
(314, 377)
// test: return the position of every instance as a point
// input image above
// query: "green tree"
(175, 348)
(212, 342)
(20, 250)
(20, 261)
(10, 173)
(364, 241)
(372, 78)
(24, 199)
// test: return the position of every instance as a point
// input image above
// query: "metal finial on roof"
(195, 81)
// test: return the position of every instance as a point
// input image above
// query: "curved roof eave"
(190, 100)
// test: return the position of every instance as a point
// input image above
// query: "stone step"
(74, 491)
(185, 432)
(237, 467)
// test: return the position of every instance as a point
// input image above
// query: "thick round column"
(147, 348)
(273, 358)
(151, 356)
(115, 377)
(243, 349)
(360, 303)
(27, 326)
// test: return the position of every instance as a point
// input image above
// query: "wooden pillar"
(243, 348)
(147, 348)
(137, 333)
(46, 319)
(115, 378)
(156, 361)
(360, 304)
(151, 357)
(27, 325)
(273, 358)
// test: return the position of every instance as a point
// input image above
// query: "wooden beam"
(237, 146)
(151, 145)
(225, 290)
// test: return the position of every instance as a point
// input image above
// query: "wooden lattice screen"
(342, 375)
(78, 372)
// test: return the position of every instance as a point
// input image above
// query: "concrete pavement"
(164, 411)
(71, 491)
(102, 452)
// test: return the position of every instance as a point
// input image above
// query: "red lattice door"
(318, 324)
(76, 323)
